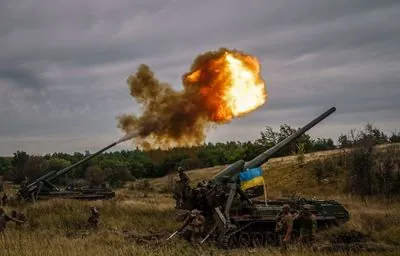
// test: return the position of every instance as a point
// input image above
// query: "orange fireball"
(219, 86)
(231, 85)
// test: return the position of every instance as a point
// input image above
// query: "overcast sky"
(64, 65)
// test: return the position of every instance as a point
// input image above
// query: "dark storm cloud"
(63, 66)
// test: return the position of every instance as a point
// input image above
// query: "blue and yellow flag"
(251, 178)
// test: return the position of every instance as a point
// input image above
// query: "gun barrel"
(67, 169)
(234, 169)
(263, 157)
(227, 172)
(54, 174)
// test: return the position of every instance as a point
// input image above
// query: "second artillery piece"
(43, 188)
(234, 220)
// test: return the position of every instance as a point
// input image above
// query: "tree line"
(120, 166)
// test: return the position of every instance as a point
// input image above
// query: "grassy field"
(137, 221)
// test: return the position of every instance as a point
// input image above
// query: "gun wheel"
(244, 239)
(228, 242)
(258, 239)
(271, 238)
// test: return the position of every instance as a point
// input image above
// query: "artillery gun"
(233, 219)
(43, 188)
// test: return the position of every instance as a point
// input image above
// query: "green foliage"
(327, 168)
(5, 165)
(18, 162)
(56, 164)
(373, 171)
(95, 175)
(116, 168)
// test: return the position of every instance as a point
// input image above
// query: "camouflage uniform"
(4, 199)
(24, 183)
(93, 220)
(308, 225)
(196, 224)
(284, 225)
(183, 188)
(4, 218)
(184, 178)
(18, 216)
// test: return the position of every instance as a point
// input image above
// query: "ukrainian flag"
(251, 178)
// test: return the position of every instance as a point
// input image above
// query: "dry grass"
(57, 227)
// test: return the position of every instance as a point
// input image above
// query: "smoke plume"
(173, 118)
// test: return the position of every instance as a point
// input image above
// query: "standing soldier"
(4, 218)
(93, 220)
(183, 188)
(308, 225)
(183, 177)
(284, 225)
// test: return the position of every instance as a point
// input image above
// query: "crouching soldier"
(4, 218)
(308, 225)
(19, 216)
(284, 225)
(196, 225)
(93, 220)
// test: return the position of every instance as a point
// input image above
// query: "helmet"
(180, 169)
(307, 207)
(286, 206)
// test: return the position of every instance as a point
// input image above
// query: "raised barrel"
(263, 157)
(234, 169)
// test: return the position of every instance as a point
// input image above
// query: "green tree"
(18, 163)
(5, 166)
(95, 175)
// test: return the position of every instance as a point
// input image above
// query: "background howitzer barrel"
(42, 186)
(232, 171)
(67, 169)
(54, 174)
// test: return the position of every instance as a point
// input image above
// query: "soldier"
(4, 218)
(18, 216)
(93, 220)
(24, 183)
(308, 225)
(294, 213)
(184, 179)
(4, 199)
(19, 197)
(284, 225)
(196, 224)
(183, 189)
